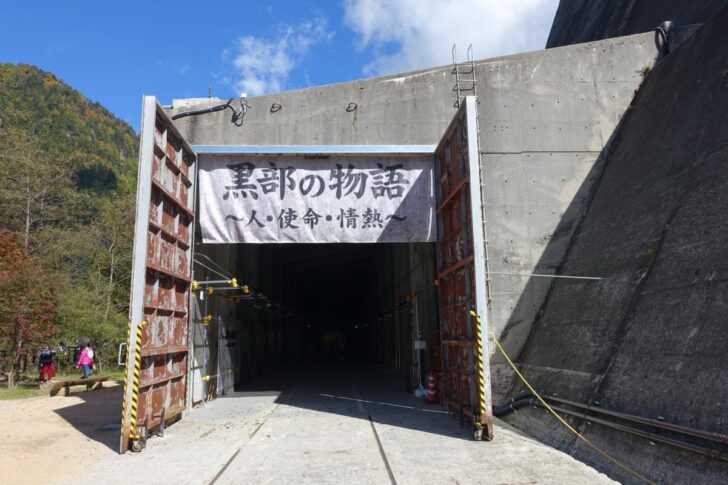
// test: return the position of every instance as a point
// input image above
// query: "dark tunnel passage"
(330, 306)
(350, 349)
(329, 286)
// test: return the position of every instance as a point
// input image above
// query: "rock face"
(580, 21)
(649, 340)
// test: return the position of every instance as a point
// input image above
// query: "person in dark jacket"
(47, 365)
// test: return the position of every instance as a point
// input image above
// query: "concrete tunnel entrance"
(250, 259)
(322, 306)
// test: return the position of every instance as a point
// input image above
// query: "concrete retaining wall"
(651, 339)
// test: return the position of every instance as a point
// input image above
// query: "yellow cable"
(568, 426)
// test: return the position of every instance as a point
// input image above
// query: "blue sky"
(114, 51)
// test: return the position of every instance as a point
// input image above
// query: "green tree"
(113, 230)
(96, 306)
(67, 181)
(35, 186)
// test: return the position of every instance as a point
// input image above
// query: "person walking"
(47, 366)
(86, 361)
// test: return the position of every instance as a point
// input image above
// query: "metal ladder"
(464, 77)
(468, 78)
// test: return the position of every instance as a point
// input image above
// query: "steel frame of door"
(159, 310)
(461, 269)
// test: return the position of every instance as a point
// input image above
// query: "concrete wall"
(580, 21)
(549, 111)
(544, 120)
(545, 117)
(651, 339)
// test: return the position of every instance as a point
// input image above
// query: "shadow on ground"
(357, 391)
(97, 416)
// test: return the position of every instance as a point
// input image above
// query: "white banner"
(292, 199)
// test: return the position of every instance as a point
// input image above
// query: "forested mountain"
(67, 181)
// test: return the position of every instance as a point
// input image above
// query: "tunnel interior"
(322, 306)
(328, 286)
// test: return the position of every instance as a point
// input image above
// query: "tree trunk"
(26, 238)
(14, 367)
(111, 283)
(11, 378)
(15, 360)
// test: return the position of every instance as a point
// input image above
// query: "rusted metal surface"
(165, 215)
(457, 284)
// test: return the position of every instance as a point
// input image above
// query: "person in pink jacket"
(86, 361)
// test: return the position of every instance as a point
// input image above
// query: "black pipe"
(509, 407)
(212, 109)
(521, 395)
(512, 404)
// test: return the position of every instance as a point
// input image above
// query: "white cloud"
(262, 65)
(412, 34)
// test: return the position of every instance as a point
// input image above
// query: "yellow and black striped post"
(135, 381)
(126, 378)
(481, 371)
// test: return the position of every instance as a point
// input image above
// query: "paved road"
(342, 426)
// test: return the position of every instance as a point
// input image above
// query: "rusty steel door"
(159, 312)
(461, 274)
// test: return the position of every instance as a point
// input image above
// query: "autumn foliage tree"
(28, 302)
(67, 191)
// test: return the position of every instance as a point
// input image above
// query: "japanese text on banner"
(293, 199)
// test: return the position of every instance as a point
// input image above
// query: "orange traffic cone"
(431, 396)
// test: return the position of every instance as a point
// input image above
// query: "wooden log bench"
(90, 383)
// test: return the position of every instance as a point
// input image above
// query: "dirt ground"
(50, 439)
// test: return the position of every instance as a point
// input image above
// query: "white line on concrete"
(383, 403)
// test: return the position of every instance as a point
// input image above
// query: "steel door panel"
(461, 271)
(161, 277)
